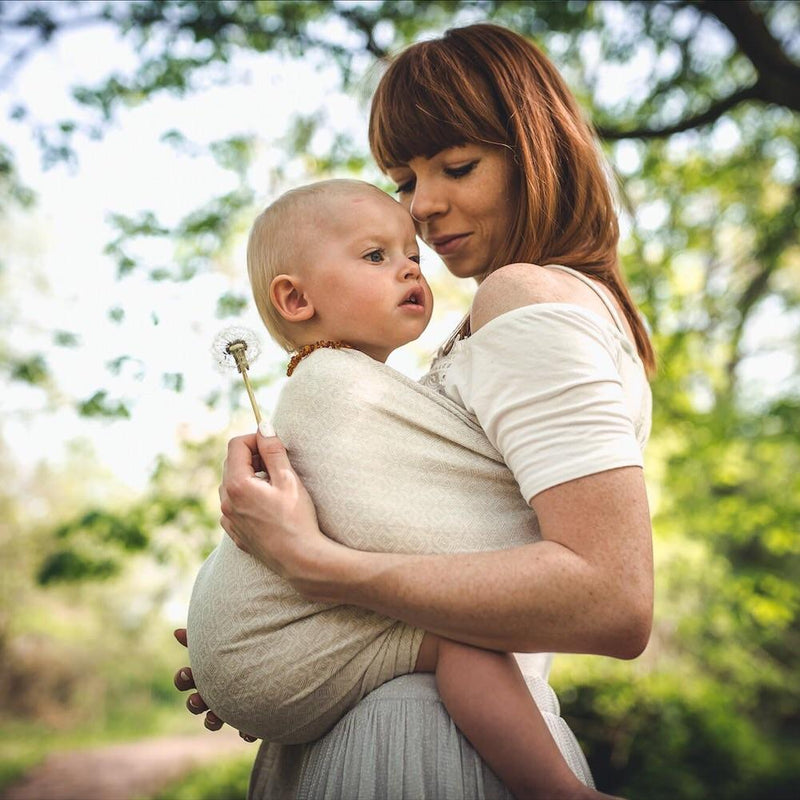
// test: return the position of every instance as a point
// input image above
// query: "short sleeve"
(544, 383)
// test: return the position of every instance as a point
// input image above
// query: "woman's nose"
(426, 203)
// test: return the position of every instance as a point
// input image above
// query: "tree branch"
(367, 28)
(751, 33)
(754, 291)
(711, 114)
(778, 75)
(781, 235)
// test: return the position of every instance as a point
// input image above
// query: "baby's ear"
(290, 301)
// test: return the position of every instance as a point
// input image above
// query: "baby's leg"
(486, 696)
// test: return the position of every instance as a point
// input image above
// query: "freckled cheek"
(501, 215)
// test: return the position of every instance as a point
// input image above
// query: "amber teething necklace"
(307, 349)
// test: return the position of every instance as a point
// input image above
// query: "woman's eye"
(460, 172)
(376, 256)
(404, 188)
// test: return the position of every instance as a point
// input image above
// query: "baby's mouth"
(416, 297)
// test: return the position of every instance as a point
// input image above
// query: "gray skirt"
(398, 743)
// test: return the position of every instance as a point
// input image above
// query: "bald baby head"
(284, 233)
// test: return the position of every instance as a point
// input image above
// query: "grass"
(226, 780)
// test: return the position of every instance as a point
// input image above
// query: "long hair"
(486, 84)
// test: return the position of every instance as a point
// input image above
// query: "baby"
(336, 265)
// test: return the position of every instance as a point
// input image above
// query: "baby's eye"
(375, 256)
(415, 258)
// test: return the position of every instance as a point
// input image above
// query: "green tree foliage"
(705, 141)
(175, 522)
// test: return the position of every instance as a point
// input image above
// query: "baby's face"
(361, 271)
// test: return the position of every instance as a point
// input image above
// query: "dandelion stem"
(251, 396)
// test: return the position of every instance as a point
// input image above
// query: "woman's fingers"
(196, 704)
(273, 456)
(184, 680)
(266, 519)
(239, 462)
(213, 722)
(226, 525)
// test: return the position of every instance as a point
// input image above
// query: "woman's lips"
(447, 245)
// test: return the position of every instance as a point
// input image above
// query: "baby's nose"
(411, 270)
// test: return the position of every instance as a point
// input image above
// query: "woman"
(491, 157)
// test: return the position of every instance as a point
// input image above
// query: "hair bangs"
(430, 99)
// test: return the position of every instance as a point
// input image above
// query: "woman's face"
(462, 200)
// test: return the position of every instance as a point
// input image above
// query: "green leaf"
(32, 370)
(66, 339)
(231, 305)
(98, 405)
(173, 381)
(68, 566)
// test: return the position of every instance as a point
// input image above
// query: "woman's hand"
(184, 681)
(273, 519)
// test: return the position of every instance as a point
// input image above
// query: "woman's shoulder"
(522, 284)
(513, 286)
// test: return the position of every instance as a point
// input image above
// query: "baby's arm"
(486, 696)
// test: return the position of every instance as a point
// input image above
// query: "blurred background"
(139, 139)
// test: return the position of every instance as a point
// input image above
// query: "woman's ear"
(290, 301)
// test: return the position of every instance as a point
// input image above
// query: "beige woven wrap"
(392, 467)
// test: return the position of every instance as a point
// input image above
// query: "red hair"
(486, 84)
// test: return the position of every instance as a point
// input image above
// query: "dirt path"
(123, 771)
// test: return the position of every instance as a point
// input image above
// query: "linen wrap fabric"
(392, 466)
